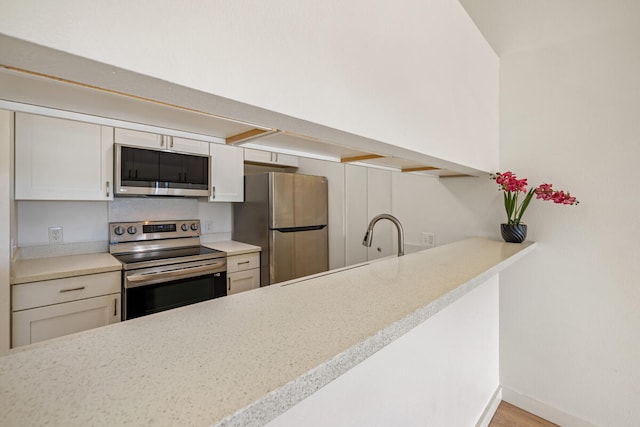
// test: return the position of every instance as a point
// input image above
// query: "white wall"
(415, 74)
(442, 373)
(570, 313)
(451, 208)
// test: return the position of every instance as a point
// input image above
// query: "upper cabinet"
(260, 157)
(152, 140)
(227, 173)
(58, 159)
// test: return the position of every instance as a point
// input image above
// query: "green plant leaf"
(525, 204)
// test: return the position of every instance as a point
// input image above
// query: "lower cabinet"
(53, 308)
(243, 272)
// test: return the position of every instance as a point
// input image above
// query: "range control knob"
(194, 226)
(119, 230)
(184, 227)
(132, 230)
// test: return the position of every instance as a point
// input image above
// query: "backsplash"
(85, 224)
(152, 209)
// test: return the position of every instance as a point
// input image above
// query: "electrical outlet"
(55, 235)
(208, 226)
(428, 239)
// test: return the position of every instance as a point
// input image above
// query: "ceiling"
(514, 25)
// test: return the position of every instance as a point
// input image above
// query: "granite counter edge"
(283, 398)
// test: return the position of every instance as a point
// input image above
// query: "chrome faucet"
(368, 237)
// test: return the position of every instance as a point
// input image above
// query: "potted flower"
(514, 230)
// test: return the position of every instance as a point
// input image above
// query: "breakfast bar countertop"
(245, 358)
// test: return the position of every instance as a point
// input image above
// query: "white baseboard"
(541, 409)
(490, 409)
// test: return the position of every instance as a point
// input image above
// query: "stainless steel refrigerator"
(286, 215)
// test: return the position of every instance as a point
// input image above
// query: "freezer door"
(297, 200)
(297, 253)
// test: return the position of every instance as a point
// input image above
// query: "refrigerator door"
(297, 200)
(297, 253)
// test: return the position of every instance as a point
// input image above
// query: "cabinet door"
(39, 324)
(356, 213)
(286, 160)
(227, 173)
(258, 156)
(243, 281)
(137, 138)
(154, 140)
(188, 145)
(270, 158)
(57, 159)
(379, 201)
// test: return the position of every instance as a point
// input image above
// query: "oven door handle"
(187, 272)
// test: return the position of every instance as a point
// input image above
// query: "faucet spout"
(368, 237)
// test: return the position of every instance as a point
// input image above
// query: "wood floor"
(508, 415)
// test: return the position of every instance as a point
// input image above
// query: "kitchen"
(589, 375)
(37, 213)
(92, 218)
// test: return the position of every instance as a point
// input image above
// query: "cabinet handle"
(213, 192)
(171, 142)
(108, 188)
(115, 307)
(244, 262)
(229, 282)
(71, 290)
(162, 137)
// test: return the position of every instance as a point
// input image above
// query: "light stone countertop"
(48, 268)
(33, 270)
(245, 358)
(232, 247)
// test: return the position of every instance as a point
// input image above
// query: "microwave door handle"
(172, 273)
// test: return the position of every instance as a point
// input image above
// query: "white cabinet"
(243, 272)
(53, 308)
(379, 201)
(269, 158)
(227, 173)
(152, 140)
(355, 178)
(367, 194)
(58, 159)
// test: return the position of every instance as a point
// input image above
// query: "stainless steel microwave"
(151, 172)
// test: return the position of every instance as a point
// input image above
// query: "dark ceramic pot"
(513, 233)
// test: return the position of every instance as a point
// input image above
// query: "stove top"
(152, 243)
(171, 256)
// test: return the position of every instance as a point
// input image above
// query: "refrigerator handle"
(295, 229)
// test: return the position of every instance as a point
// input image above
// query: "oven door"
(151, 290)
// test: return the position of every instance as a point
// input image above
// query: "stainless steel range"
(164, 266)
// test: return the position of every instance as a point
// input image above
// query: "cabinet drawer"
(243, 262)
(39, 294)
